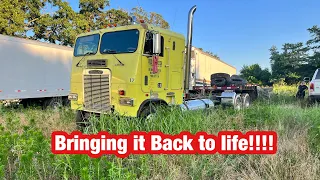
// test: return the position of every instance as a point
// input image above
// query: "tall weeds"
(25, 144)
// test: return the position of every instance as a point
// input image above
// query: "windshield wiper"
(109, 51)
(88, 53)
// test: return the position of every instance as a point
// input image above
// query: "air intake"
(96, 63)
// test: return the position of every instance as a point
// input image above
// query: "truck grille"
(96, 63)
(97, 93)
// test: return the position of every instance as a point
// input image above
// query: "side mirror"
(156, 44)
(306, 79)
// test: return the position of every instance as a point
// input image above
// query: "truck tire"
(237, 80)
(54, 103)
(148, 111)
(218, 82)
(82, 120)
(311, 100)
(220, 79)
(66, 102)
(246, 101)
(238, 102)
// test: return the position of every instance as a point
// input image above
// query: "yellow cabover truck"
(130, 70)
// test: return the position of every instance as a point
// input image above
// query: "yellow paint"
(137, 66)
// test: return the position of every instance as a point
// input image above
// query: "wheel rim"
(238, 104)
(150, 116)
(55, 106)
(247, 102)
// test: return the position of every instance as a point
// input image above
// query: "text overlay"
(226, 142)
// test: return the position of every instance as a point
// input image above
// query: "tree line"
(289, 64)
(31, 19)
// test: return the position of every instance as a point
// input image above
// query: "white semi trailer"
(203, 65)
(34, 72)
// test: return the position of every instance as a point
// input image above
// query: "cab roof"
(134, 26)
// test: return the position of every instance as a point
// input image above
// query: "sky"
(241, 32)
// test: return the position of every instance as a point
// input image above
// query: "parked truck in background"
(314, 86)
(130, 70)
(34, 72)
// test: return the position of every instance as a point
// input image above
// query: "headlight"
(73, 96)
(126, 101)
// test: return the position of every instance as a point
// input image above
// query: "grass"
(25, 144)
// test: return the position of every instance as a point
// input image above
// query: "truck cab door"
(152, 82)
(175, 61)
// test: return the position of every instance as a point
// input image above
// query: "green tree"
(314, 45)
(255, 74)
(291, 63)
(277, 64)
(63, 26)
(150, 17)
(297, 60)
(115, 16)
(19, 16)
(93, 11)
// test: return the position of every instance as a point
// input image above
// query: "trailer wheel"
(54, 103)
(66, 102)
(238, 102)
(246, 100)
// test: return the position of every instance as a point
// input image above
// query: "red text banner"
(155, 142)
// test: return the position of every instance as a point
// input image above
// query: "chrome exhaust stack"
(188, 51)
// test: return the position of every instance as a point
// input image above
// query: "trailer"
(227, 90)
(203, 65)
(215, 79)
(34, 72)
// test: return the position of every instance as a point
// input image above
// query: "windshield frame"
(91, 54)
(127, 52)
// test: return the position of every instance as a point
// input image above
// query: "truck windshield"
(119, 42)
(87, 45)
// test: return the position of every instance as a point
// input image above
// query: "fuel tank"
(197, 104)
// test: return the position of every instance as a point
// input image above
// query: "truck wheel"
(82, 120)
(238, 102)
(246, 101)
(148, 111)
(311, 101)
